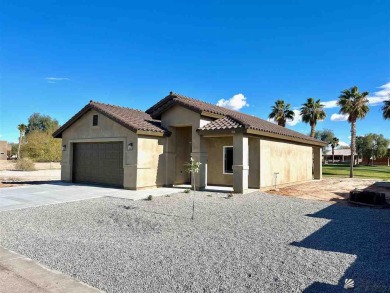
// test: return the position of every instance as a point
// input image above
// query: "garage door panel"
(98, 162)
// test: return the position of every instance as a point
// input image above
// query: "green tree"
(41, 123)
(375, 147)
(42, 147)
(311, 112)
(360, 147)
(334, 143)
(325, 135)
(14, 148)
(354, 104)
(22, 130)
(386, 109)
(281, 112)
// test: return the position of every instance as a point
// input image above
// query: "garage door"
(98, 162)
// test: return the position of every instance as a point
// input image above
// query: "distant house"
(340, 156)
(133, 149)
(3, 150)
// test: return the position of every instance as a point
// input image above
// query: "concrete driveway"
(13, 198)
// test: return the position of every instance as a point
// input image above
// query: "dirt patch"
(10, 165)
(19, 178)
(333, 189)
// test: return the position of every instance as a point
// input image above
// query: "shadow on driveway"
(364, 232)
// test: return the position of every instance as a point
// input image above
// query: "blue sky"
(57, 55)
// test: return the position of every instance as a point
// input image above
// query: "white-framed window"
(228, 160)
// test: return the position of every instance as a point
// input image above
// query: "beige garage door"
(98, 162)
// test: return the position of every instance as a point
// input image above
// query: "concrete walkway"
(21, 274)
(12, 198)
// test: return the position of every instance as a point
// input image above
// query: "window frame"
(93, 120)
(223, 159)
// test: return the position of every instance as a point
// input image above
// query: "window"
(95, 120)
(227, 160)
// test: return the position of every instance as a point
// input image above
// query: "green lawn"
(361, 171)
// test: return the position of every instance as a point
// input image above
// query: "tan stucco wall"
(215, 174)
(173, 119)
(3, 150)
(254, 163)
(107, 130)
(151, 168)
(292, 161)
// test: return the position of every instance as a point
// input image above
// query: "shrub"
(25, 164)
(150, 197)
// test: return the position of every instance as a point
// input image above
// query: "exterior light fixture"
(64, 148)
(130, 146)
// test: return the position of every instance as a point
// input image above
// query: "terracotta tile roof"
(235, 118)
(127, 117)
(222, 123)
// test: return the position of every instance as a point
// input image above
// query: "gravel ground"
(247, 243)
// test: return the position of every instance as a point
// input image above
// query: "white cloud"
(55, 79)
(234, 103)
(375, 99)
(380, 96)
(339, 117)
(330, 104)
(296, 120)
(343, 144)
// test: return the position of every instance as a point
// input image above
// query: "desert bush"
(42, 147)
(25, 164)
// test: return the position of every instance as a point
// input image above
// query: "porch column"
(240, 163)
(170, 155)
(317, 151)
(199, 154)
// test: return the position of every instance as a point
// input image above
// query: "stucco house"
(133, 149)
(4, 150)
(340, 155)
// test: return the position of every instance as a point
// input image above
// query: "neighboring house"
(3, 150)
(133, 149)
(340, 156)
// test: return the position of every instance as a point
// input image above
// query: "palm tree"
(22, 129)
(281, 113)
(334, 143)
(311, 112)
(354, 104)
(386, 109)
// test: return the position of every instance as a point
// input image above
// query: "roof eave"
(286, 138)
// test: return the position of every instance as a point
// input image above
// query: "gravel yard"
(247, 243)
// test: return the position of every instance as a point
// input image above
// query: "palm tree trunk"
(313, 130)
(20, 143)
(332, 154)
(353, 147)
